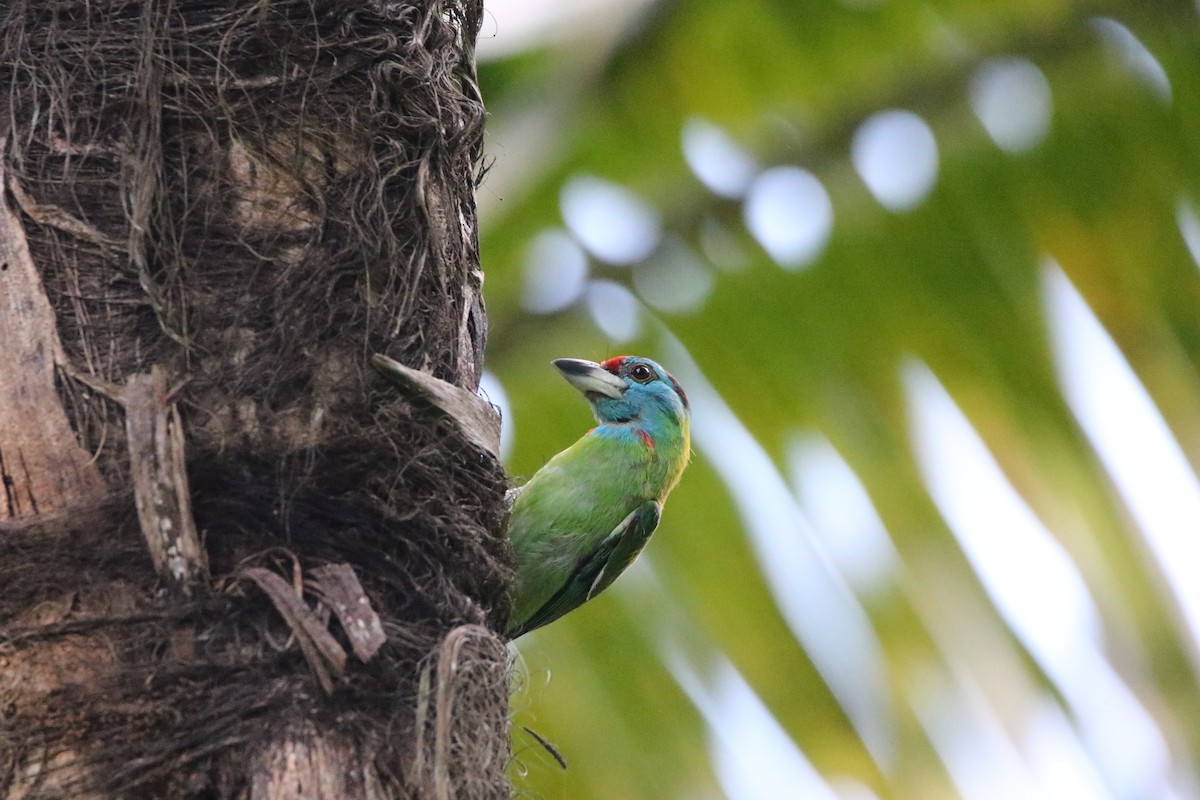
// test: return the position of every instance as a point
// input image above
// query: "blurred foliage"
(956, 283)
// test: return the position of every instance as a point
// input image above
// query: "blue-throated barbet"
(584, 517)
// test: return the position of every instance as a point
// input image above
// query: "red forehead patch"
(614, 364)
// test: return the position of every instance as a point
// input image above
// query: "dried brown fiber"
(255, 197)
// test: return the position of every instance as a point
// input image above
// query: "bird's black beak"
(591, 378)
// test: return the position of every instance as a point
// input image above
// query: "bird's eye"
(641, 373)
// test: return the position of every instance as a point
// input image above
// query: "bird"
(584, 517)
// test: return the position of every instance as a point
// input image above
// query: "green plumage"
(584, 517)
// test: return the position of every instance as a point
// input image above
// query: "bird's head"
(626, 388)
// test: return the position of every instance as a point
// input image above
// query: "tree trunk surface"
(234, 560)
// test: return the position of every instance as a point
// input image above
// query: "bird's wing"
(598, 569)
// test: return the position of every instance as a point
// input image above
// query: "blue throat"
(654, 415)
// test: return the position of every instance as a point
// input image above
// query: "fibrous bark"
(213, 214)
(43, 469)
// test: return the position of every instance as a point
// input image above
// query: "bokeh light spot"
(721, 247)
(1189, 227)
(491, 388)
(896, 156)
(615, 310)
(556, 269)
(1034, 583)
(789, 212)
(1012, 99)
(753, 756)
(716, 159)
(613, 223)
(841, 513)
(1131, 437)
(674, 279)
(1134, 56)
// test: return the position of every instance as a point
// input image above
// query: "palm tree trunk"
(235, 562)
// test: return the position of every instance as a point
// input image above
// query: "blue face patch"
(651, 392)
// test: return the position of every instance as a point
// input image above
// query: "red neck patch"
(646, 438)
(614, 364)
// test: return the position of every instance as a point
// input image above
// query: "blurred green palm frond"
(929, 272)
